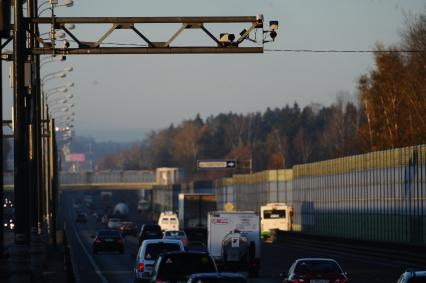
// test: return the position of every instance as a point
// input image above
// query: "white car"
(148, 253)
(114, 223)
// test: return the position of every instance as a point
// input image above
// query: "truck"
(275, 216)
(193, 211)
(106, 200)
(233, 240)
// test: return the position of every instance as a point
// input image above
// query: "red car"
(315, 270)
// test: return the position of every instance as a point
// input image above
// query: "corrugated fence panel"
(378, 196)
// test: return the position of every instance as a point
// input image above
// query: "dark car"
(224, 277)
(81, 218)
(315, 269)
(411, 276)
(108, 240)
(128, 228)
(175, 267)
(150, 231)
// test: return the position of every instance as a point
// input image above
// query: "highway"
(276, 258)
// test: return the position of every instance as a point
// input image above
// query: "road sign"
(217, 164)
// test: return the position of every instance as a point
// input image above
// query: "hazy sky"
(120, 97)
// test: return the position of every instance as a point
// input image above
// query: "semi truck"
(193, 211)
(233, 240)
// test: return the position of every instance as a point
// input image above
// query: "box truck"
(193, 210)
(233, 240)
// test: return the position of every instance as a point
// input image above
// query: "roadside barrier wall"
(379, 196)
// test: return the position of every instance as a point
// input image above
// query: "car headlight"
(5, 224)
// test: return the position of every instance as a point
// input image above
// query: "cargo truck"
(233, 240)
(193, 211)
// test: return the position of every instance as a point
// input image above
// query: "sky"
(122, 97)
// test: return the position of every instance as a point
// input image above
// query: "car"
(315, 269)
(221, 277)
(412, 276)
(196, 246)
(128, 228)
(114, 223)
(178, 235)
(150, 231)
(81, 218)
(104, 219)
(149, 252)
(176, 267)
(108, 240)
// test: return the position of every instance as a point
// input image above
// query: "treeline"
(388, 112)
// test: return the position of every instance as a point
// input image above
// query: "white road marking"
(94, 265)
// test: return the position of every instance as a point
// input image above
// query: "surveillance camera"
(273, 35)
(259, 21)
(273, 25)
(226, 37)
(65, 44)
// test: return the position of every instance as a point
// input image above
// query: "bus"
(275, 216)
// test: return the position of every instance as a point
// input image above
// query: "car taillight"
(298, 280)
(141, 267)
(98, 241)
(342, 280)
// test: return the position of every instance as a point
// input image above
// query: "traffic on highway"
(128, 247)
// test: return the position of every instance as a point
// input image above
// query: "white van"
(168, 221)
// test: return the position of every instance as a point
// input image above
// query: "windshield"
(317, 266)
(274, 213)
(181, 265)
(154, 250)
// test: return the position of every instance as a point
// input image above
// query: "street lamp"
(56, 76)
(52, 91)
(58, 73)
(68, 96)
(46, 60)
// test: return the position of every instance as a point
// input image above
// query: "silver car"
(149, 252)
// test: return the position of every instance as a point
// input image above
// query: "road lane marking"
(94, 265)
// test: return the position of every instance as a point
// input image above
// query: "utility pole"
(19, 258)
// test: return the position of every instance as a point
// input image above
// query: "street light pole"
(19, 258)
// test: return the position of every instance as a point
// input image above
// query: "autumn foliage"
(388, 112)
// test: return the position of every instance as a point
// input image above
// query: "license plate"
(319, 281)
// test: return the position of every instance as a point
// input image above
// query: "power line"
(342, 51)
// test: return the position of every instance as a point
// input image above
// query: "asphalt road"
(276, 258)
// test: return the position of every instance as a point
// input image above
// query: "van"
(168, 221)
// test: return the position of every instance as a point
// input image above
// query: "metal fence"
(102, 177)
(379, 196)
